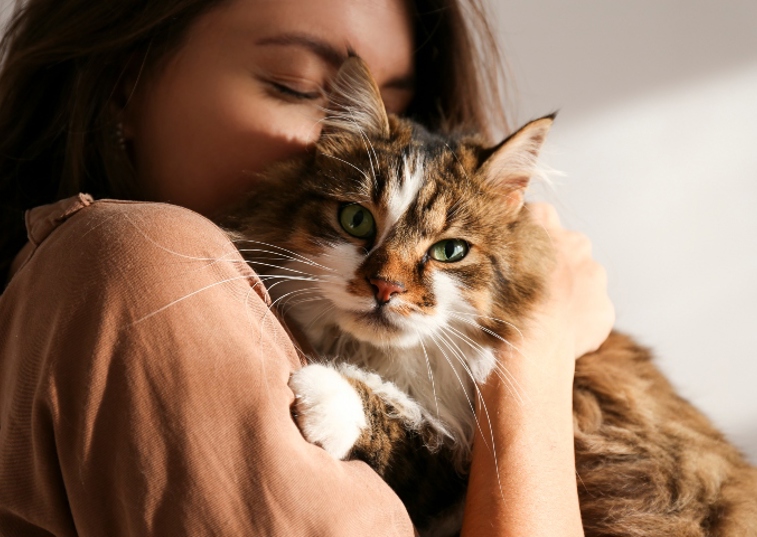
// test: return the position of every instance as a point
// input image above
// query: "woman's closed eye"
(293, 90)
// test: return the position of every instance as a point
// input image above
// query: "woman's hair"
(62, 61)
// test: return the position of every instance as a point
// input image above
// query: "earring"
(119, 135)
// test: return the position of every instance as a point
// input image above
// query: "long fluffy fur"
(648, 463)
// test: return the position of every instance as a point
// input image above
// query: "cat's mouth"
(379, 326)
(380, 318)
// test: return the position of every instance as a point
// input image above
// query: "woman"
(143, 387)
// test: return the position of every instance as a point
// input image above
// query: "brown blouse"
(143, 390)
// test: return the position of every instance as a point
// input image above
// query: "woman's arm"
(534, 491)
(147, 393)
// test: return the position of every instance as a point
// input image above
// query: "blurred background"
(656, 139)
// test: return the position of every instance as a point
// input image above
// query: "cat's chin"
(378, 329)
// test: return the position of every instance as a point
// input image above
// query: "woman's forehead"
(380, 31)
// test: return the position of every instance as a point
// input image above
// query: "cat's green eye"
(449, 251)
(357, 221)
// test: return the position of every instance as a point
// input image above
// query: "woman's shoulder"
(145, 253)
(115, 224)
(131, 229)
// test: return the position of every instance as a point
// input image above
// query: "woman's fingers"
(544, 214)
(578, 305)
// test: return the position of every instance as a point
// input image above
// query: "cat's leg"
(328, 410)
(404, 445)
(352, 413)
(355, 414)
(394, 419)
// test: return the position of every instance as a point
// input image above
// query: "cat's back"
(649, 458)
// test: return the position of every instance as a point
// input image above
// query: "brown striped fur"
(648, 463)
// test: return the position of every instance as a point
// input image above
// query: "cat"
(405, 258)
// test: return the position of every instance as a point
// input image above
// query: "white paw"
(328, 410)
(406, 408)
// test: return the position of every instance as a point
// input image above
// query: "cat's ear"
(509, 166)
(355, 105)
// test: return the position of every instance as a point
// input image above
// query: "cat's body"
(406, 258)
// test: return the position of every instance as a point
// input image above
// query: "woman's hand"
(522, 479)
(577, 310)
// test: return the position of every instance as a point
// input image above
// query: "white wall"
(657, 139)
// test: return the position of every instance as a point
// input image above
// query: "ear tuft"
(509, 166)
(355, 105)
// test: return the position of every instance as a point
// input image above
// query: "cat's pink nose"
(386, 290)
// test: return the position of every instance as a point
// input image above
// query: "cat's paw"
(327, 409)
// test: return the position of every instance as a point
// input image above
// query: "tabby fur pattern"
(358, 243)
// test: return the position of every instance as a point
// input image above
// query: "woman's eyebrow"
(321, 48)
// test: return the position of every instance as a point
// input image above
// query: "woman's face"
(243, 91)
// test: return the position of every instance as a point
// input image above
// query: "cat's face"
(397, 236)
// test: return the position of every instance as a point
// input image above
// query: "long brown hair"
(63, 59)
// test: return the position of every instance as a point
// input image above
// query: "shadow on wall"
(598, 52)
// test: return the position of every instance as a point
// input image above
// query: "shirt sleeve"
(157, 392)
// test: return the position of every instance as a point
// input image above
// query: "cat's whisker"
(499, 369)
(471, 342)
(515, 388)
(189, 295)
(457, 159)
(492, 448)
(454, 369)
(279, 264)
(430, 373)
(372, 156)
(326, 279)
(283, 280)
(271, 259)
(272, 252)
(293, 277)
(272, 255)
(272, 305)
(502, 373)
(458, 353)
(280, 267)
(279, 279)
(212, 260)
(351, 165)
(508, 379)
(295, 254)
(476, 419)
(488, 331)
(264, 264)
(294, 301)
(461, 358)
(289, 294)
(495, 319)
